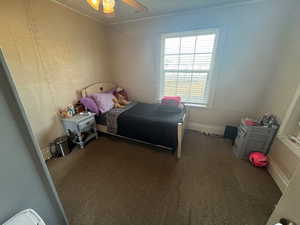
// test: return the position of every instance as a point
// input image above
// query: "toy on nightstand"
(67, 112)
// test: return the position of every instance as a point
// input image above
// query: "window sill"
(193, 105)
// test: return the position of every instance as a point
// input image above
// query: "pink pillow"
(104, 101)
(171, 100)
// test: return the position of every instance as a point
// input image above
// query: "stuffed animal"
(121, 96)
(117, 103)
(122, 100)
(122, 92)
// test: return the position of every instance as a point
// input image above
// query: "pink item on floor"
(258, 159)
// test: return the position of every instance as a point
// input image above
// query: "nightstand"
(82, 128)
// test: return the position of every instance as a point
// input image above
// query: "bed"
(141, 122)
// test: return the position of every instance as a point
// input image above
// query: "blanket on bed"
(146, 122)
(113, 115)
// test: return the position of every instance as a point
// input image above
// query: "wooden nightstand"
(80, 125)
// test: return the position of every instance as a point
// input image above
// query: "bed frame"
(99, 87)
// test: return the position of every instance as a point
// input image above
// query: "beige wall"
(249, 39)
(286, 76)
(282, 88)
(51, 52)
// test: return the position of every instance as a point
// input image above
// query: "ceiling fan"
(108, 6)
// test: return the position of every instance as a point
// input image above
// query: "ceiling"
(156, 8)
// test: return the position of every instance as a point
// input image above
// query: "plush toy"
(122, 100)
(121, 91)
(117, 103)
(121, 96)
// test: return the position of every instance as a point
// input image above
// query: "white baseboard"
(279, 177)
(211, 129)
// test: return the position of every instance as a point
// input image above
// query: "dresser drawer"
(86, 124)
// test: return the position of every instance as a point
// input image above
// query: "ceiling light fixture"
(109, 6)
(94, 3)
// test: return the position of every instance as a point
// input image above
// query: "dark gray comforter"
(113, 115)
(145, 122)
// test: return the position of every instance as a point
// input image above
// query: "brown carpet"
(116, 182)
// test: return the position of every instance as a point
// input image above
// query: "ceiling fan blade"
(135, 4)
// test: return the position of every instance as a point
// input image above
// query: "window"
(187, 60)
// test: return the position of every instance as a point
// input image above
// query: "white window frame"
(211, 75)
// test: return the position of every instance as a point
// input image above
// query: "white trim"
(210, 129)
(195, 105)
(212, 73)
(278, 176)
(161, 72)
(211, 81)
(186, 12)
(289, 112)
(176, 13)
(189, 33)
(291, 146)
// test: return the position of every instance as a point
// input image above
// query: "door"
(25, 182)
(289, 204)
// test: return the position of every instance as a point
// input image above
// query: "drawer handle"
(86, 124)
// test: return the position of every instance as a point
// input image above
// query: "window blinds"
(186, 66)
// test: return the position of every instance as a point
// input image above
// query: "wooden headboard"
(97, 87)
